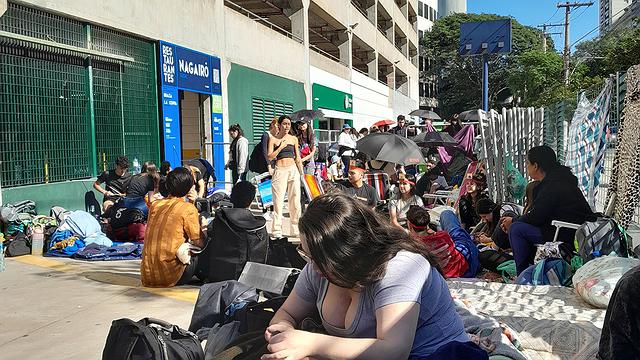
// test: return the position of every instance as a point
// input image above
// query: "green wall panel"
(245, 84)
(68, 194)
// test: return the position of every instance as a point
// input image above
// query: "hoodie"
(558, 198)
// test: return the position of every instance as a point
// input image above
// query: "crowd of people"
(376, 274)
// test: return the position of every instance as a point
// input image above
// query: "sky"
(537, 12)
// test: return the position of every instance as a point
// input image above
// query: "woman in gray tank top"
(375, 288)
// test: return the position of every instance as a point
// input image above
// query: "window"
(420, 35)
(420, 10)
(263, 111)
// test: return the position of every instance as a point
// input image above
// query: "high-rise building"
(610, 12)
(630, 17)
(428, 12)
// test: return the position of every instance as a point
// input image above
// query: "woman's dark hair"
(236, 127)
(528, 195)
(150, 168)
(411, 178)
(339, 232)
(544, 157)
(282, 117)
(122, 161)
(485, 206)
(364, 131)
(179, 182)
(306, 136)
(165, 167)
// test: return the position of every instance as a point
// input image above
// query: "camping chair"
(264, 194)
(380, 182)
(444, 197)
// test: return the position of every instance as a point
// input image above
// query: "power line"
(554, 14)
(567, 49)
(595, 28)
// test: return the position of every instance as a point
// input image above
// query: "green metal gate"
(66, 113)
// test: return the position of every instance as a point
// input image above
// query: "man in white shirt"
(346, 147)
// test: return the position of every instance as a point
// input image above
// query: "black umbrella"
(470, 115)
(425, 114)
(307, 115)
(391, 148)
(434, 139)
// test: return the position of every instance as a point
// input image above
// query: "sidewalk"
(62, 308)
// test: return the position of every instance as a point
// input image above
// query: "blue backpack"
(556, 272)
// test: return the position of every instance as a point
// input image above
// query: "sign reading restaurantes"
(188, 69)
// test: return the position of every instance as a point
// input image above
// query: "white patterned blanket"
(552, 322)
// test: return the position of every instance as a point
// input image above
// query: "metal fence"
(65, 114)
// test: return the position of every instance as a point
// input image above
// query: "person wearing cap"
(454, 125)
(346, 146)
(335, 169)
(356, 186)
(400, 204)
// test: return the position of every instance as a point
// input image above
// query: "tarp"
(587, 142)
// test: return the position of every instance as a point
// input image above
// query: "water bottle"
(37, 241)
(136, 166)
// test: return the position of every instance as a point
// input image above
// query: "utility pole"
(567, 49)
(545, 33)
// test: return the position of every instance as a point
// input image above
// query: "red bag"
(132, 233)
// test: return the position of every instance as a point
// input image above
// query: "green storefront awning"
(325, 97)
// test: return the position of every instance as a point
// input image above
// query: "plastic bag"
(595, 281)
(516, 183)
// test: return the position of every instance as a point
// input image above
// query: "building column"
(346, 50)
(300, 28)
(3, 7)
(372, 11)
(372, 65)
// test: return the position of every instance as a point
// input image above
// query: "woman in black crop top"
(283, 148)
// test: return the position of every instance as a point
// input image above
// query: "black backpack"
(256, 160)
(235, 236)
(150, 339)
(123, 217)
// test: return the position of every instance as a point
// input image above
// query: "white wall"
(370, 100)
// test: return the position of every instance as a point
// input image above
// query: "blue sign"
(485, 37)
(185, 69)
(171, 125)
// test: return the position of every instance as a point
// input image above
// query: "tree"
(617, 50)
(536, 77)
(460, 78)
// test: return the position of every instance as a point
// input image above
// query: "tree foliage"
(460, 78)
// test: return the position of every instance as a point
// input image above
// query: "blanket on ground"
(552, 322)
(120, 251)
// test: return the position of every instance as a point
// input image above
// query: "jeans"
(523, 238)
(450, 223)
(189, 271)
(346, 160)
(136, 203)
(285, 180)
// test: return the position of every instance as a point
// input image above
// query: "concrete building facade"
(428, 12)
(610, 12)
(205, 65)
(630, 18)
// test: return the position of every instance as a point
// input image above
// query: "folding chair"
(312, 186)
(264, 195)
(380, 182)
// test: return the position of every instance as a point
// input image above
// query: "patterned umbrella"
(434, 139)
(425, 114)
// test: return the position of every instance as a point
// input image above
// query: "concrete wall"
(68, 194)
(448, 7)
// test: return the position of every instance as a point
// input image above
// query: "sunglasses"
(303, 254)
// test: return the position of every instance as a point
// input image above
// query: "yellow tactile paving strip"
(128, 280)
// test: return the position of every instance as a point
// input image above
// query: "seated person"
(490, 232)
(557, 197)
(467, 205)
(143, 185)
(335, 171)
(116, 182)
(621, 329)
(379, 294)
(453, 247)
(399, 205)
(172, 223)
(356, 186)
